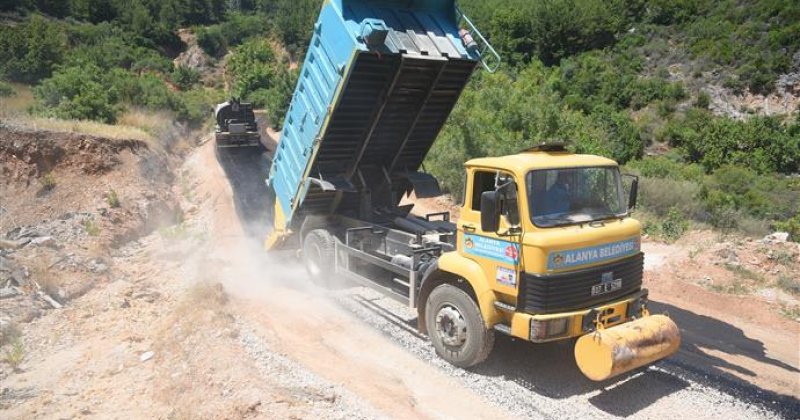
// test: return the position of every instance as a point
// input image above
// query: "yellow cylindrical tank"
(609, 352)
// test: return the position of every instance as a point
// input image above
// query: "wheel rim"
(451, 326)
(313, 260)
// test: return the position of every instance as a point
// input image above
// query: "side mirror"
(490, 211)
(634, 193)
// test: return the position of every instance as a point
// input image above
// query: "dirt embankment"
(67, 201)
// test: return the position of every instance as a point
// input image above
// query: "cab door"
(498, 253)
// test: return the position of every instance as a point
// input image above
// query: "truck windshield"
(574, 195)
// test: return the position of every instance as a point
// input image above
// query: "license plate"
(607, 287)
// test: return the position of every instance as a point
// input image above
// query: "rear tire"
(318, 256)
(456, 327)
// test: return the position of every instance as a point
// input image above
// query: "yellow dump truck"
(544, 248)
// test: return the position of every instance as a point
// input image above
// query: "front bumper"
(559, 326)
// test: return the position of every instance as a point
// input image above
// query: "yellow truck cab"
(547, 248)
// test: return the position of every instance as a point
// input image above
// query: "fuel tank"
(609, 352)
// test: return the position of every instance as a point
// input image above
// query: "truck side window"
(482, 181)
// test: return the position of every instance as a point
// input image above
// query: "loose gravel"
(324, 399)
(542, 381)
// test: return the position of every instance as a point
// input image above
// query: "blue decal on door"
(495, 249)
(593, 254)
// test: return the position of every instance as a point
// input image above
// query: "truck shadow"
(550, 370)
(247, 169)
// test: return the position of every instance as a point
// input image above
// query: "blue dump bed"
(378, 82)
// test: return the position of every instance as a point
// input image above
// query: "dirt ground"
(165, 307)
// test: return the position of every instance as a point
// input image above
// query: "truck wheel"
(456, 327)
(318, 255)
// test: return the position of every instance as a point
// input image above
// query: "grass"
(18, 103)
(91, 228)
(159, 125)
(784, 257)
(48, 181)
(186, 187)
(15, 354)
(736, 288)
(43, 276)
(114, 132)
(136, 126)
(175, 232)
(791, 312)
(744, 273)
(788, 284)
(6, 89)
(112, 199)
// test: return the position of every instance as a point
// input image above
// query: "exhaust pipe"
(609, 352)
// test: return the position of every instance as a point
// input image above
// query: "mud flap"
(608, 352)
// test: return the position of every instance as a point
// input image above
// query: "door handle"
(468, 228)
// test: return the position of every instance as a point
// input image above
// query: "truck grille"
(543, 294)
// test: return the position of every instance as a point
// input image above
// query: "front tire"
(456, 327)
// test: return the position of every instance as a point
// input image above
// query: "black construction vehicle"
(236, 125)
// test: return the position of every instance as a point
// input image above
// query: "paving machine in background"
(545, 247)
(236, 125)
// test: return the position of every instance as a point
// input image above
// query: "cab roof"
(528, 160)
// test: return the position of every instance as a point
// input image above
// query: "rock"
(20, 276)
(30, 315)
(147, 356)
(776, 238)
(148, 296)
(26, 232)
(97, 266)
(8, 331)
(8, 292)
(728, 254)
(47, 241)
(52, 302)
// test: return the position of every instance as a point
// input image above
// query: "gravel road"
(542, 381)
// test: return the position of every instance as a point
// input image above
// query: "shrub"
(674, 225)
(252, 67)
(789, 284)
(211, 41)
(668, 228)
(185, 77)
(216, 40)
(703, 100)
(277, 98)
(792, 226)
(659, 196)
(6, 90)
(79, 93)
(667, 167)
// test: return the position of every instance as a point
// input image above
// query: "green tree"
(31, 50)
(252, 67)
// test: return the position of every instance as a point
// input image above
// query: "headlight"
(544, 330)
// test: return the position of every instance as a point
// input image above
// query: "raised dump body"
(379, 80)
